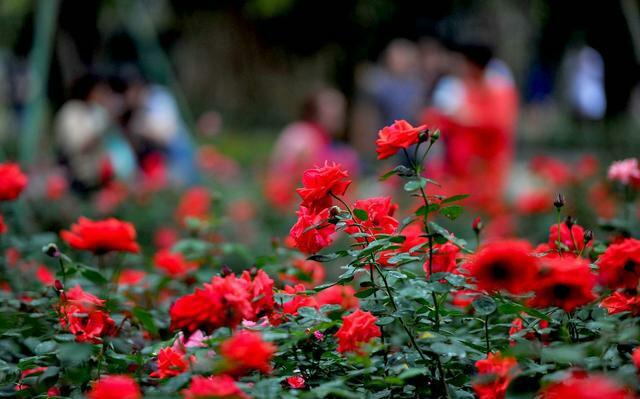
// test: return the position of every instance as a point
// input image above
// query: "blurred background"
(532, 97)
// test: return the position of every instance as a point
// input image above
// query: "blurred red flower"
(296, 382)
(173, 264)
(620, 264)
(131, 277)
(379, 218)
(115, 387)
(307, 272)
(312, 232)
(443, 259)
(195, 203)
(246, 351)
(298, 301)
(101, 236)
(635, 357)
(171, 362)
(357, 329)
(573, 238)
(414, 238)
(397, 136)
(619, 302)
(564, 282)
(220, 386)
(56, 186)
(3, 226)
(495, 373)
(44, 275)
(343, 295)
(12, 181)
(585, 387)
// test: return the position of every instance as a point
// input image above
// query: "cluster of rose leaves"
(219, 332)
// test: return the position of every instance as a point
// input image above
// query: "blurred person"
(87, 142)
(306, 143)
(476, 110)
(585, 89)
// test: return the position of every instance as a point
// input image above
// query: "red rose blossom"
(296, 382)
(343, 295)
(3, 226)
(298, 301)
(397, 136)
(586, 387)
(261, 290)
(195, 204)
(573, 238)
(312, 232)
(494, 375)
(564, 282)
(379, 219)
(220, 386)
(443, 259)
(245, 351)
(171, 362)
(620, 264)
(319, 182)
(101, 236)
(635, 357)
(173, 264)
(115, 387)
(619, 302)
(12, 181)
(306, 272)
(414, 240)
(357, 329)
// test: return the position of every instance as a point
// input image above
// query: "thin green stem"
(486, 334)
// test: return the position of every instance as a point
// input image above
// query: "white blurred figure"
(585, 91)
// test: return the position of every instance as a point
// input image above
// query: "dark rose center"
(500, 271)
(561, 291)
(630, 266)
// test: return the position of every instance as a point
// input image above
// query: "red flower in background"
(357, 329)
(3, 226)
(220, 386)
(173, 263)
(414, 238)
(171, 362)
(495, 374)
(573, 238)
(44, 275)
(551, 170)
(443, 259)
(298, 301)
(379, 218)
(343, 295)
(635, 357)
(115, 387)
(397, 136)
(224, 302)
(620, 264)
(56, 186)
(586, 387)
(261, 290)
(504, 265)
(195, 203)
(626, 172)
(312, 232)
(165, 237)
(131, 277)
(318, 182)
(619, 302)
(296, 382)
(101, 236)
(12, 181)
(306, 272)
(245, 351)
(80, 313)
(534, 202)
(564, 282)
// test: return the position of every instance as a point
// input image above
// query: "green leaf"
(93, 275)
(454, 198)
(366, 293)
(484, 305)
(414, 185)
(146, 319)
(424, 210)
(361, 214)
(451, 212)
(383, 321)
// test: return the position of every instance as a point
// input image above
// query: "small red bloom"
(504, 265)
(572, 239)
(564, 282)
(296, 382)
(534, 202)
(443, 259)
(261, 292)
(586, 387)
(299, 300)
(397, 136)
(131, 277)
(165, 237)
(245, 351)
(195, 203)
(495, 374)
(357, 329)
(3, 226)
(224, 302)
(102, 236)
(12, 181)
(306, 272)
(343, 295)
(56, 186)
(414, 239)
(171, 362)
(173, 263)
(44, 275)
(620, 264)
(619, 302)
(115, 387)
(220, 386)
(319, 182)
(312, 232)
(379, 219)
(635, 357)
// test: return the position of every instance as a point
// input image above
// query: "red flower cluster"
(101, 236)
(220, 386)
(505, 265)
(414, 238)
(312, 232)
(564, 282)
(495, 374)
(171, 362)
(195, 204)
(245, 351)
(619, 302)
(224, 302)
(80, 313)
(620, 264)
(318, 183)
(12, 181)
(397, 136)
(569, 238)
(115, 387)
(357, 329)
(379, 218)
(586, 387)
(173, 263)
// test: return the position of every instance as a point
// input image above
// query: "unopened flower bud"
(588, 236)
(51, 250)
(569, 221)
(423, 136)
(403, 171)
(334, 210)
(58, 285)
(435, 135)
(225, 271)
(559, 201)
(319, 335)
(477, 225)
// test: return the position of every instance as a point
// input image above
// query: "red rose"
(494, 375)
(564, 282)
(620, 264)
(220, 386)
(170, 363)
(414, 239)
(131, 277)
(318, 182)
(12, 181)
(115, 387)
(56, 186)
(504, 265)
(173, 263)
(299, 300)
(165, 237)
(312, 232)
(261, 292)
(3, 226)
(44, 275)
(343, 295)
(245, 351)
(306, 272)
(357, 329)
(635, 357)
(101, 236)
(195, 203)
(80, 313)
(619, 302)
(443, 259)
(586, 387)
(296, 382)
(572, 239)
(379, 219)
(397, 136)
(225, 302)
